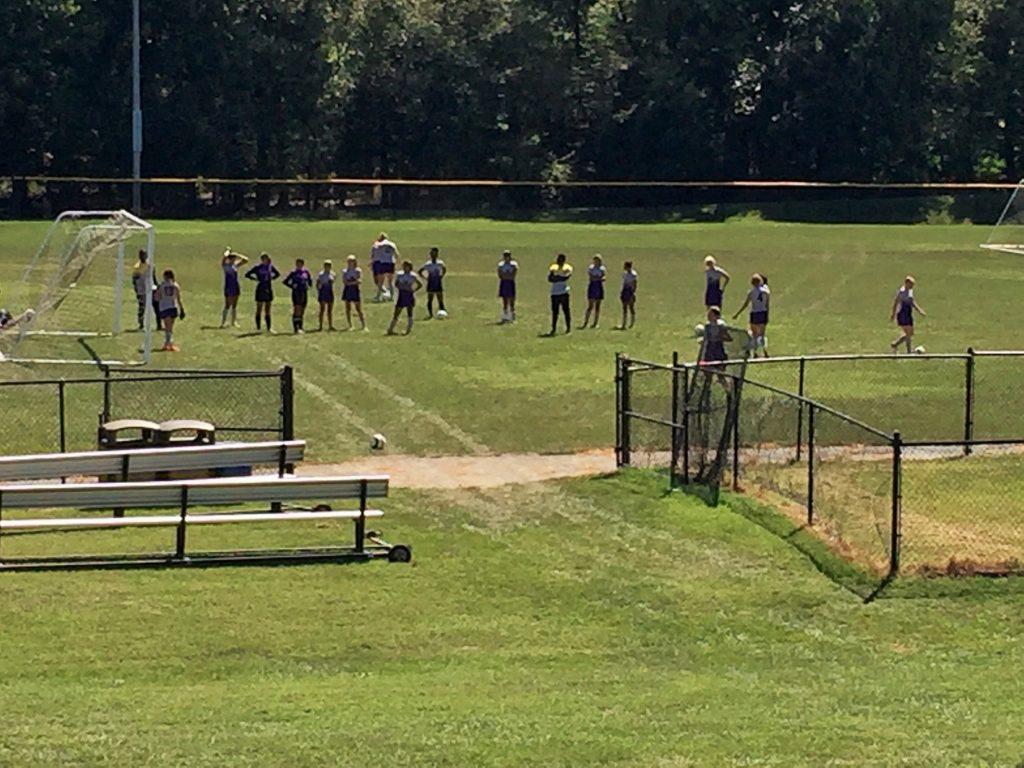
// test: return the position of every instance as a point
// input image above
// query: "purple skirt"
(627, 295)
(507, 289)
(325, 293)
(350, 293)
(406, 299)
(595, 290)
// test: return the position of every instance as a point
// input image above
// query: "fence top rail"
(998, 353)
(962, 443)
(177, 375)
(869, 356)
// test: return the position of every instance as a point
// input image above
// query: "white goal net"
(77, 301)
(1008, 233)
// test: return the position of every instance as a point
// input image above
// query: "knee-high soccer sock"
(408, 323)
(296, 323)
(266, 317)
(224, 316)
(440, 303)
(234, 315)
(554, 319)
(430, 305)
(258, 326)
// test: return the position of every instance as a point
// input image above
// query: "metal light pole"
(136, 112)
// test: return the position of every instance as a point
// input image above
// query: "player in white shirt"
(628, 295)
(508, 269)
(407, 284)
(758, 299)
(903, 307)
(350, 291)
(433, 271)
(383, 255)
(596, 274)
(168, 296)
(715, 280)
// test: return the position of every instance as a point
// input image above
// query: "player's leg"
(440, 301)
(408, 320)
(597, 313)
(554, 314)
(430, 304)
(259, 315)
(394, 320)
(565, 309)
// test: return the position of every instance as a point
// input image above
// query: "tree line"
(874, 90)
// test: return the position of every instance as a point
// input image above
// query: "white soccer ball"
(698, 330)
(442, 314)
(378, 442)
(919, 350)
(30, 314)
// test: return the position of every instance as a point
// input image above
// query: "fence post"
(106, 395)
(62, 434)
(810, 465)
(969, 403)
(736, 437)
(675, 415)
(686, 426)
(896, 533)
(618, 409)
(626, 407)
(287, 403)
(800, 409)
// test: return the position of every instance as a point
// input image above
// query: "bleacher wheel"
(399, 553)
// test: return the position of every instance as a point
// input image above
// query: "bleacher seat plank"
(143, 521)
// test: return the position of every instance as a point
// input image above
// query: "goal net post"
(76, 300)
(1007, 235)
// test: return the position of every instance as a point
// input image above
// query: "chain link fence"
(60, 415)
(944, 502)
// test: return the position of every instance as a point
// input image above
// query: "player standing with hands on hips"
(559, 274)
(433, 271)
(299, 280)
(715, 279)
(407, 284)
(264, 273)
(903, 307)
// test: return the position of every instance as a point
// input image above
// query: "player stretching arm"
(407, 284)
(230, 263)
(507, 271)
(433, 271)
(596, 273)
(758, 300)
(171, 308)
(325, 294)
(716, 279)
(264, 273)
(628, 295)
(299, 280)
(903, 307)
(350, 292)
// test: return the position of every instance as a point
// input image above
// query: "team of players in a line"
(403, 284)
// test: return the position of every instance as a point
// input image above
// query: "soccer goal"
(1008, 233)
(76, 299)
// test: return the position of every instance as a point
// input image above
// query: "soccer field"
(467, 385)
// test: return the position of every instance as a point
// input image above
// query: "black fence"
(880, 499)
(60, 415)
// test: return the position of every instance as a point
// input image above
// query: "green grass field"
(592, 622)
(467, 385)
(588, 623)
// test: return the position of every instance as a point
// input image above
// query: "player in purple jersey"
(407, 284)
(351, 291)
(230, 263)
(596, 274)
(325, 294)
(264, 273)
(903, 307)
(171, 308)
(300, 281)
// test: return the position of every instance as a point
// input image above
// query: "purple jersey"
(299, 279)
(264, 274)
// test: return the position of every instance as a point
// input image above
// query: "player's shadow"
(250, 334)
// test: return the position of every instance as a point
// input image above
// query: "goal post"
(1007, 236)
(76, 299)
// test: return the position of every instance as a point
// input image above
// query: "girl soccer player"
(758, 300)
(171, 308)
(715, 279)
(433, 272)
(325, 294)
(383, 254)
(264, 273)
(350, 293)
(628, 295)
(407, 284)
(230, 263)
(507, 271)
(903, 307)
(716, 334)
(299, 280)
(559, 274)
(142, 275)
(596, 273)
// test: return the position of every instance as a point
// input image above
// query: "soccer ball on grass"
(442, 314)
(378, 442)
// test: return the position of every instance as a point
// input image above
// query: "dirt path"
(472, 471)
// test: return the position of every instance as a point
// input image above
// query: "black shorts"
(560, 303)
(264, 293)
(759, 318)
